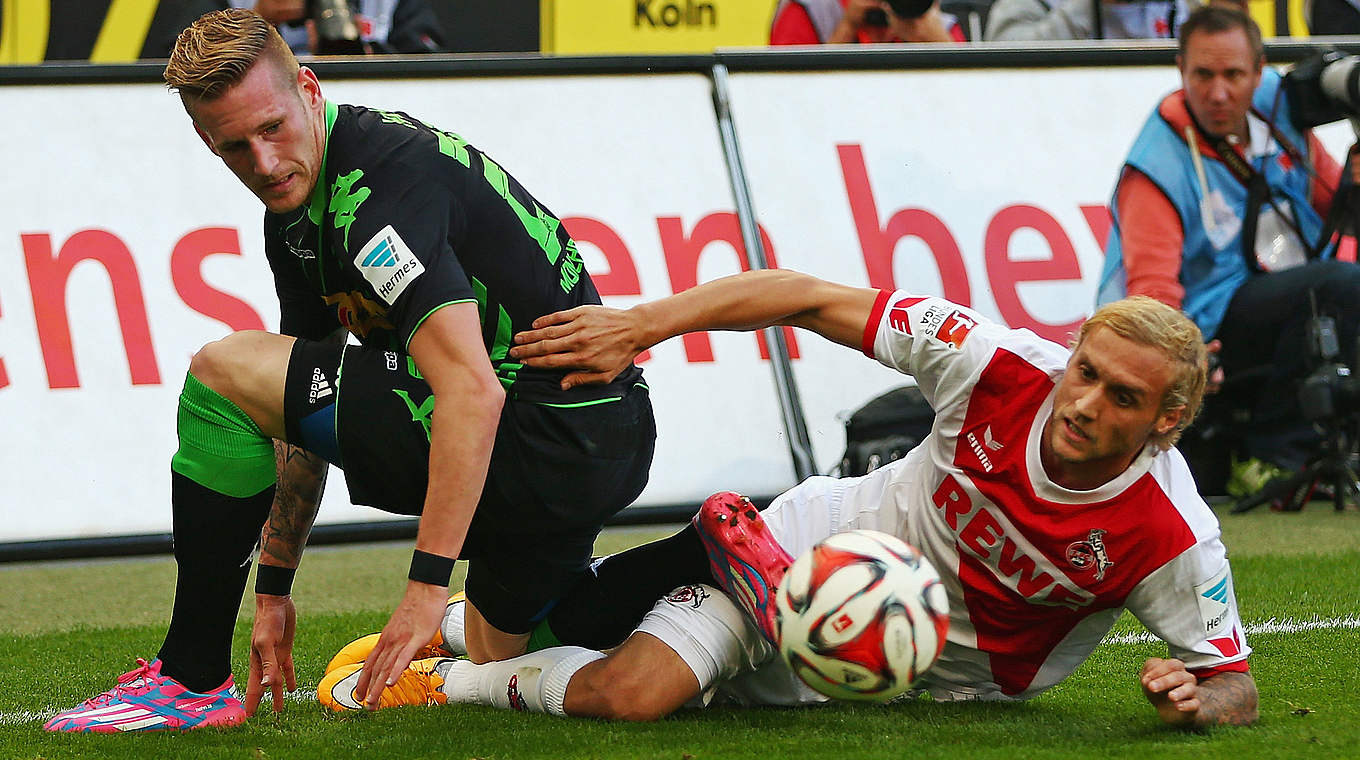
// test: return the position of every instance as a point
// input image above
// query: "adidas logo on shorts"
(320, 388)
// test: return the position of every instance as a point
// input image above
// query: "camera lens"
(336, 31)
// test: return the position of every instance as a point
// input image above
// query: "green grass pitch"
(69, 628)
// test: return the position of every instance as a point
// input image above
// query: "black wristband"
(274, 580)
(430, 568)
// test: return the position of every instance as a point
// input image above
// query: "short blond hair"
(1153, 323)
(215, 52)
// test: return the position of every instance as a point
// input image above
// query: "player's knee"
(221, 364)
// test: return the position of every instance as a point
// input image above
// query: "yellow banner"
(1265, 12)
(653, 26)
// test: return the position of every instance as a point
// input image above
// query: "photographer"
(350, 27)
(1219, 210)
(841, 22)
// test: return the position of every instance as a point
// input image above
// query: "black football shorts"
(557, 471)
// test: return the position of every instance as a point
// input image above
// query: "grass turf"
(71, 627)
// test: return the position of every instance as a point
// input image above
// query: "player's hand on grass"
(1172, 690)
(597, 341)
(271, 651)
(411, 627)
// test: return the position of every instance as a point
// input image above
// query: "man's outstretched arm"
(1227, 698)
(602, 342)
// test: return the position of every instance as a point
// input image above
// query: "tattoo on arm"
(301, 478)
(1227, 699)
(301, 481)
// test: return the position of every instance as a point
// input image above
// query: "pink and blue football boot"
(744, 556)
(145, 700)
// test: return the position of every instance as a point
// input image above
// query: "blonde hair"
(215, 53)
(1153, 323)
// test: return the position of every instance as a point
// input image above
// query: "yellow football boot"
(355, 652)
(418, 685)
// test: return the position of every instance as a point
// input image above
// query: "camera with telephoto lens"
(1324, 89)
(336, 30)
(1330, 393)
(906, 9)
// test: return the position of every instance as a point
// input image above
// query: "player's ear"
(1169, 419)
(309, 87)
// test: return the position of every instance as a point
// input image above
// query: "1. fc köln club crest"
(1088, 554)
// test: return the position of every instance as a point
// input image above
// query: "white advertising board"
(125, 246)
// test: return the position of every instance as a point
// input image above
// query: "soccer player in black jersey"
(404, 236)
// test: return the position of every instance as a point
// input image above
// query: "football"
(861, 616)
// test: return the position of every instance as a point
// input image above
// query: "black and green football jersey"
(407, 218)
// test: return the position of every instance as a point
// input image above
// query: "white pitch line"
(1273, 625)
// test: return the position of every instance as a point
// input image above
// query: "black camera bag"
(885, 429)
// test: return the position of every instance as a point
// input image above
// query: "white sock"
(452, 629)
(535, 682)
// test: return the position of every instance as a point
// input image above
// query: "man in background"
(1218, 211)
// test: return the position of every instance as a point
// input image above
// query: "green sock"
(220, 447)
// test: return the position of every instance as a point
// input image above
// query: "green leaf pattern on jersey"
(506, 371)
(394, 118)
(345, 200)
(452, 145)
(420, 413)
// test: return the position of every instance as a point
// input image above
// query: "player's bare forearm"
(448, 350)
(762, 298)
(1181, 699)
(1228, 699)
(601, 342)
(301, 481)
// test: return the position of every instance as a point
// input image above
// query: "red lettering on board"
(682, 264)
(1099, 220)
(186, 271)
(878, 244)
(1005, 273)
(47, 278)
(621, 279)
(4, 376)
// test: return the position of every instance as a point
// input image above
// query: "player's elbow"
(477, 397)
(492, 398)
